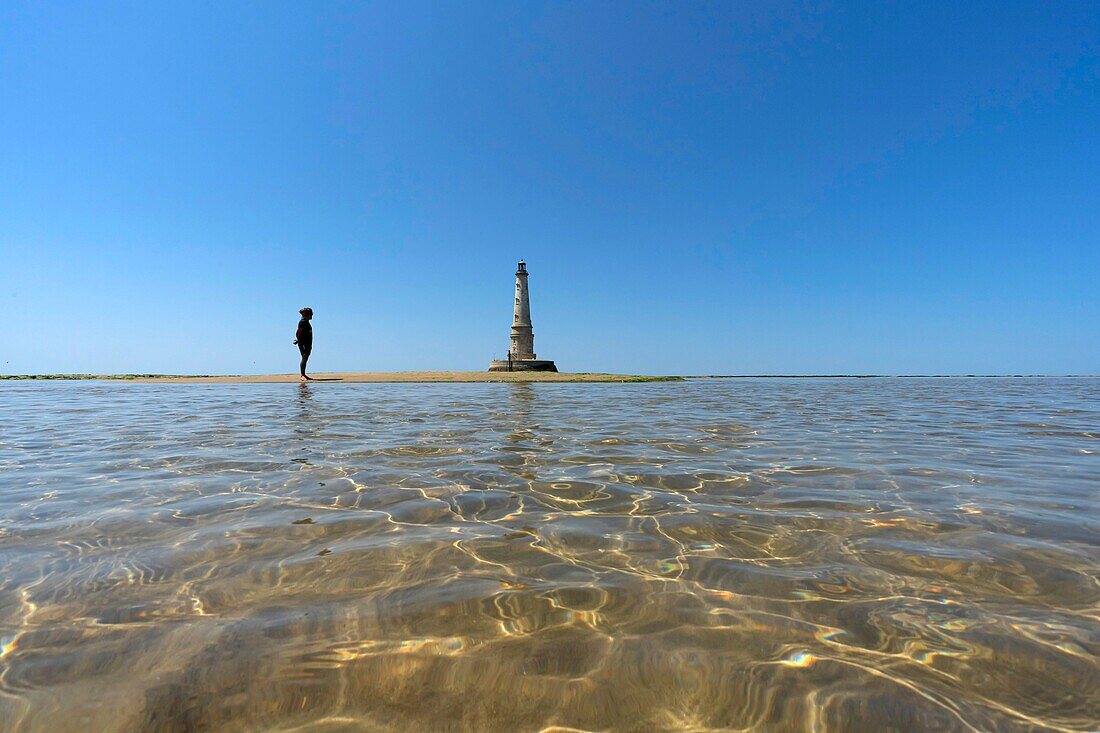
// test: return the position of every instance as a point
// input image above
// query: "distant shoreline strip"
(398, 376)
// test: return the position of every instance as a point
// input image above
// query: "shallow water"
(826, 555)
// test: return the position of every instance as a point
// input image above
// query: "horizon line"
(78, 376)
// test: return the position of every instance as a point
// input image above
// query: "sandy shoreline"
(377, 377)
(442, 376)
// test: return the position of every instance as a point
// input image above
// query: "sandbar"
(379, 377)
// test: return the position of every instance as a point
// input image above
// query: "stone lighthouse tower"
(521, 347)
(523, 337)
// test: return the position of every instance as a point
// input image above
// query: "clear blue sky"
(697, 188)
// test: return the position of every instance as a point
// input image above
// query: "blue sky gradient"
(697, 188)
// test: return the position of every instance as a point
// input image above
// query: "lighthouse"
(521, 345)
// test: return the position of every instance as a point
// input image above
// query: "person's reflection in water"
(305, 393)
(306, 412)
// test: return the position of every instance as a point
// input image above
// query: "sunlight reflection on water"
(834, 555)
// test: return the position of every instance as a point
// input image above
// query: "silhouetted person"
(304, 338)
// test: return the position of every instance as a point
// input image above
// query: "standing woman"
(304, 338)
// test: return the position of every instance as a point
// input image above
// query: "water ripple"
(714, 555)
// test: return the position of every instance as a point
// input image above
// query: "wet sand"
(433, 376)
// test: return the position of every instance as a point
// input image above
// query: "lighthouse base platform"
(522, 365)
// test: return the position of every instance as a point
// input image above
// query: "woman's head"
(306, 312)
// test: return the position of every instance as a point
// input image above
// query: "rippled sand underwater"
(787, 555)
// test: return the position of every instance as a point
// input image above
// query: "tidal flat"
(425, 377)
(886, 554)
